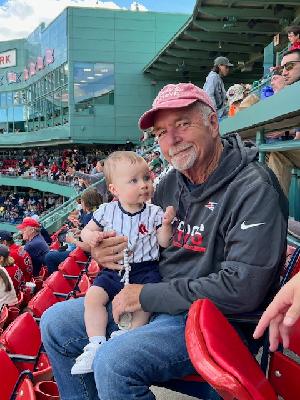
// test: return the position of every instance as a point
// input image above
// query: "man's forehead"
(290, 57)
(172, 113)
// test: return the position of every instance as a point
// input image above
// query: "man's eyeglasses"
(181, 126)
(288, 66)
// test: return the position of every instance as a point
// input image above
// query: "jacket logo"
(245, 226)
(211, 205)
(188, 237)
(143, 229)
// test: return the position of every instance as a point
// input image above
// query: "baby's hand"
(169, 215)
(96, 238)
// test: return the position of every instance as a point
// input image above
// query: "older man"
(228, 242)
(35, 245)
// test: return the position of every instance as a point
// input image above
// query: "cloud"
(18, 18)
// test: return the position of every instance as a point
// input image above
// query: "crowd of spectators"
(51, 164)
(15, 206)
(240, 96)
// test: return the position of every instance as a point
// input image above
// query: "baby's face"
(132, 183)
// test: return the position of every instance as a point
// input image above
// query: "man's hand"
(127, 300)
(110, 250)
(281, 315)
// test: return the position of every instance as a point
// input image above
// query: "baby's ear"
(112, 189)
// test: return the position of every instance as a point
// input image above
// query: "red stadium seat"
(22, 340)
(14, 382)
(43, 273)
(46, 390)
(58, 283)
(84, 285)
(41, 301)
(284, 372)
(79, 255)
(70, 267)
(93, 269)
(55, 245)
(222, 359)
(13, 312)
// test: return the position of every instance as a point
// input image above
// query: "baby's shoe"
(84, 362)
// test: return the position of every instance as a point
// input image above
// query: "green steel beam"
(184, 53)
(228, 37)
(209, 46)
(174, 60)
(267, 2)
(238, 27)
(208, 59)
(168, 67)
(5, 226)
(188, 45)
(246, 13)
(38, 184)
(199, 75)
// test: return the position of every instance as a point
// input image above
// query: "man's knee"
(48, 321)
(114, 358)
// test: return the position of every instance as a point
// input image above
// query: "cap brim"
(20, 227)
(230, 65)
(147, 119)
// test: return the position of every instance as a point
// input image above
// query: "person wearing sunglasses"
(290, 66)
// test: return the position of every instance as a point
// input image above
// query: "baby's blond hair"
(114, 158)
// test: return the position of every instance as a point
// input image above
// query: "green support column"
(260, 139)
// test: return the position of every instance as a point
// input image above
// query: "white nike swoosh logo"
(247, 226)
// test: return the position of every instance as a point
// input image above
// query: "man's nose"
(173, 136)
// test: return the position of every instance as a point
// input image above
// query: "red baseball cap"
(28, 221)
(174, 96)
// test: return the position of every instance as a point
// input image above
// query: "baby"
(145, 225)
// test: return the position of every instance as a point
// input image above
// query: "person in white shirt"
(7, 292)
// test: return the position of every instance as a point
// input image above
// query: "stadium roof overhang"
(237, 29)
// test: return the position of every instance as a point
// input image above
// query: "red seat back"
(219, 355)
(10, 374)
(93, 269)
(22, 336)
(84, 285)
(43, 273)
(57, 283)
(41, 301)
(78, 254)
(70, 267)
(284, 372)
(46, 390)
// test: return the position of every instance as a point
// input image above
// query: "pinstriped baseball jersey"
(140, 228)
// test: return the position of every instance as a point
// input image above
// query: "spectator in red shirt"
(13, 270)
(294, 36)
(21, 257)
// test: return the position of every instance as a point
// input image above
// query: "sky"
(18, 18)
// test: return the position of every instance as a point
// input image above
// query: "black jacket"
(230, 237)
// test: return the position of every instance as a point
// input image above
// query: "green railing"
(39, 184)
(53, 220)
